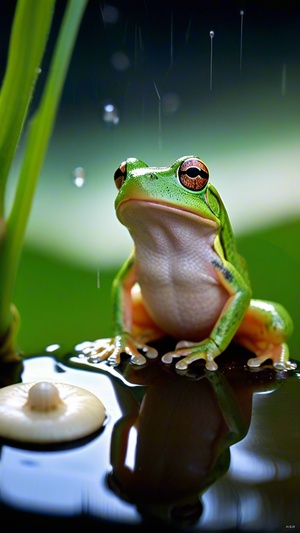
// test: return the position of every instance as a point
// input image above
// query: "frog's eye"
(193, 174)
(120, 175)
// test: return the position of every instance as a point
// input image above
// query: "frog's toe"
(211, 365)
(255, 362)
(182, 364)
(100, 350)
(279, 354)
(149, 351)
(191, 352)
(167, 358)
(138, 360)
(287, 365)
(136, 357)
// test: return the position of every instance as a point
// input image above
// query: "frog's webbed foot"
(110, 350)
(279, 353)
(191, 351)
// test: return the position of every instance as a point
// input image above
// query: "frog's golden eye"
(193, 174)
(120, 175)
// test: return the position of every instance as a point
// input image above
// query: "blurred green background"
(173, 90)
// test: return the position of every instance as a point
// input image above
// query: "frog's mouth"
(135, 210)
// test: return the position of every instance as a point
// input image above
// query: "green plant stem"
(40, 130)
(31, 26)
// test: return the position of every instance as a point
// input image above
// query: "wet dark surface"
(200, 451)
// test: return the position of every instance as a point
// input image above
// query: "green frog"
(185, 277)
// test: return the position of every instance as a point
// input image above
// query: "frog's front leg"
(226, 326)
(264, 330)
(123, 340)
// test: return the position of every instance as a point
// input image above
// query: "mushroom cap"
(48, 412)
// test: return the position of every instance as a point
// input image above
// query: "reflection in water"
(175, 444)
(207, 450)
(10, 373)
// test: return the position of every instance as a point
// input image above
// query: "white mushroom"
(47, 412)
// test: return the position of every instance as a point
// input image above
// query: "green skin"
(173, 190)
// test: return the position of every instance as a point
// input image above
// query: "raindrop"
(110, 14)
(125, 31)
(159, 114)
(187, 34)
(211, 34)
(120, 61)
(111, 114)
(78, 177)
(171, 41)
(283, 80)
(170, 103)
(241, 39)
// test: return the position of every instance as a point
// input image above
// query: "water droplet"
(111, 114)
(78, 177)
(52, 348)
(120, 61)
(211, 34)
(110, 14)
(170, 103)
(241, 13)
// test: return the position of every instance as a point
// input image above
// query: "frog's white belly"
(174, 254)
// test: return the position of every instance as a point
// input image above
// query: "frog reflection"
(175, 443)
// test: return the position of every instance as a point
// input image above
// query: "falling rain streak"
(241, 39)
(159, 115)
(171, 41)
(283, 80)
(211, 34)
(188, 30)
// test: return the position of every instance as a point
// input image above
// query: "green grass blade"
(39, 134)
(31, 25)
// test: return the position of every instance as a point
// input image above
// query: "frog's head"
(184, 185)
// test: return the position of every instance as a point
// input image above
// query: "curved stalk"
(40, 130)
(31, 26)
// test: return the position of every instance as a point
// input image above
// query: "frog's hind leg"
(264, 331)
